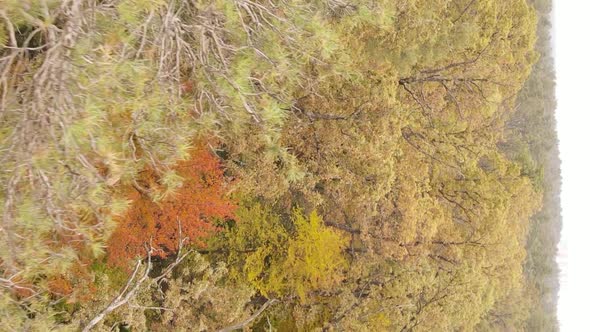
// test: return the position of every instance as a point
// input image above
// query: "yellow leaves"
(314, 258)
(260, 231)
(267, 279)
(379, 321)
(278, 262)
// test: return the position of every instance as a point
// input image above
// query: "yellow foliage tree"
(314, 256)
(283, 258)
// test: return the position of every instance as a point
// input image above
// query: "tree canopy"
(292, 165)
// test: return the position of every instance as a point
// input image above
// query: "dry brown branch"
(463, 11)
(250, 319)
(127, 294)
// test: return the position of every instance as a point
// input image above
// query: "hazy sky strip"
(572, 27)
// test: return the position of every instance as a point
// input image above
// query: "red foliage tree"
(195, 207)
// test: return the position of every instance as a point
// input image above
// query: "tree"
(370, 146)
(198, 202)
(395, 121)
(186, 293)
(282, 260)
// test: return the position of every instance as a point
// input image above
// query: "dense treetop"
(293, 165)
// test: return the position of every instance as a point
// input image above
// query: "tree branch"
(248, 320)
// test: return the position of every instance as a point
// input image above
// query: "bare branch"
(132, 286)
(126, 293)
(463, 12)
(248, 320)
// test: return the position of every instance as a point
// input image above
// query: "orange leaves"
(60, 286)
(196, 205)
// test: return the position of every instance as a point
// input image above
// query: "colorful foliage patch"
(194, 207)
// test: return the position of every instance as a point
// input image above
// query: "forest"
(278, 165)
